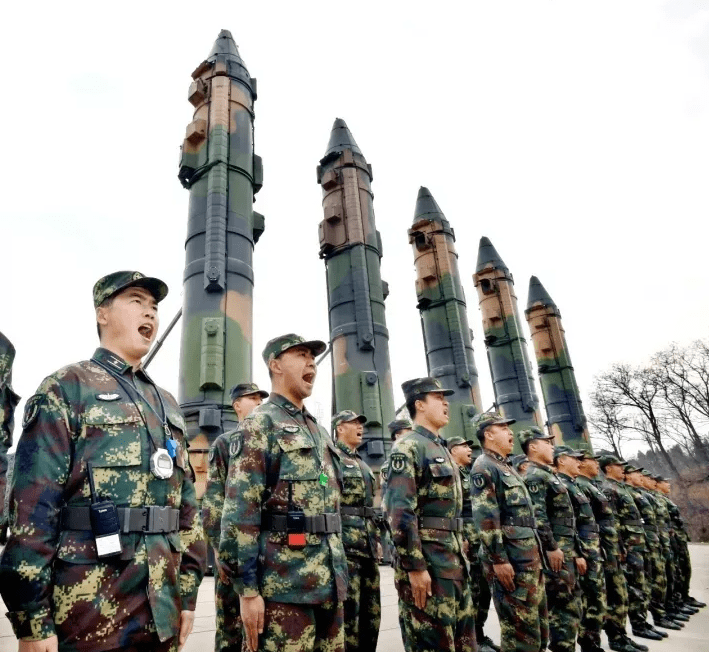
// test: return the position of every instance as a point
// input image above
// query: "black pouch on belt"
(104, 522)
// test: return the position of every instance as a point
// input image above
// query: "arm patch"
(397, 463)
(32, 407)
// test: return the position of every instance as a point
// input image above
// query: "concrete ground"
(693, 638)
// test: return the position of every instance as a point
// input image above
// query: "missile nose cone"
(224, 44)
(426, 207)
(537, 294)
(487, 255)
(341, 138)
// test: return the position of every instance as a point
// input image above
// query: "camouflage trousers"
(481, 598)
(522, 613)
(616, 600)
(445, 624)
(563, 606)
(230, 634)
(657, 589)
(302, 627)
(593, 603)
(635, 581)
(363, 611)
(150, 646)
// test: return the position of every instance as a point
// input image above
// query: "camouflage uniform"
(593, 590)
(229, 631)
(682, 566)
(556, 525)
(360, 538)
(423, 504)
(278, 448)
(52, 580)
(597, 605)
(8, 403)
(504, 518)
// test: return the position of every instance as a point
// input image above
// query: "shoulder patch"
(212, 454)
(32, 407)
(397, 462)
(478, 480)
(237, 443)
(533, 487)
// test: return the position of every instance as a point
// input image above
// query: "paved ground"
(693, 638)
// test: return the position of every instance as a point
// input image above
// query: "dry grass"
(692, 497)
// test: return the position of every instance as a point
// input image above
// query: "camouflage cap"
(282, 343)
(345, 416)
(606, 458)
(661, 478)
(530, 434)
(418, 386)
(629, 468)
(399, 424)
(114, 283)
(559, 451)
(486, 419)
(246, 389)
(517, 460)
(648, 474)
(458, 441)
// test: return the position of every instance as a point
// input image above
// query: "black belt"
(151, 519)
(650, 527)
(588, 528)
(639, 523)
(567, 522)
(606, 522)
(440, 523)
(365, 512)
(318, 524)
(519, 521)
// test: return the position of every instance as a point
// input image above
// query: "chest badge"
(439, 460)
(109, 396)
(350, 466)
(291, 428)
(533, 488)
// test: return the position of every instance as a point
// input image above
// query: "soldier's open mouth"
(146, 330)
(309, 378)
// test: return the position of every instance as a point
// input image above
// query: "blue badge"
(172, 448)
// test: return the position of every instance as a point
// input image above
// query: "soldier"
(424, 501)
(229, 632)
(462, 453)
(510, 547)
(556, 525)
(592, 580)
(607, 507)
(281, 544)
(106, 549)
(656, 587)
(359, 535)
(397, 429)
(8, 403)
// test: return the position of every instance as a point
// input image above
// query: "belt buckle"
(158, 519)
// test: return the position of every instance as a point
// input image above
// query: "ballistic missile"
(447, 337)
(352, 249)
(512, 377)
(219, 168)
(562, 400)
(8, 403)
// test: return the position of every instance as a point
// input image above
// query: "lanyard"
(319, 452)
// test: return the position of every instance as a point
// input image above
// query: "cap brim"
(504, 422)
(316, 346)
(155, 286)
(360, 418)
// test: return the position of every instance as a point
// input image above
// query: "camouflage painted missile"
(352, 249)
(512, 377)
(8, 403)
(444, 319)
(562, 400)
(219, 168)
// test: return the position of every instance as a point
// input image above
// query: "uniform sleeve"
(538, 492)
(241, 516)
(401, 502)
(213, 499)
(486, 515)
(42, 464)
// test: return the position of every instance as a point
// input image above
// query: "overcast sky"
(573, 134)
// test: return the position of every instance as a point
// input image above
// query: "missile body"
(512, 377)
(444, 319)
(219, 168)
(562, 400)
(352, 249)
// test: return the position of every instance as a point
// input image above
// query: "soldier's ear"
(274, 367)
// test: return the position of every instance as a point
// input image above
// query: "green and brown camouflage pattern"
(8, 403)
(363, 610)
(352, 249)
(562, 400)
(116, 282)
(447, 337)
(275, 447)
(655, 553)
(222, 173)
(512, 377)
(556, 525)
(50, 577)
(500, 498)
(229, 631)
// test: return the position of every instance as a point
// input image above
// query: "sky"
(574, 135)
